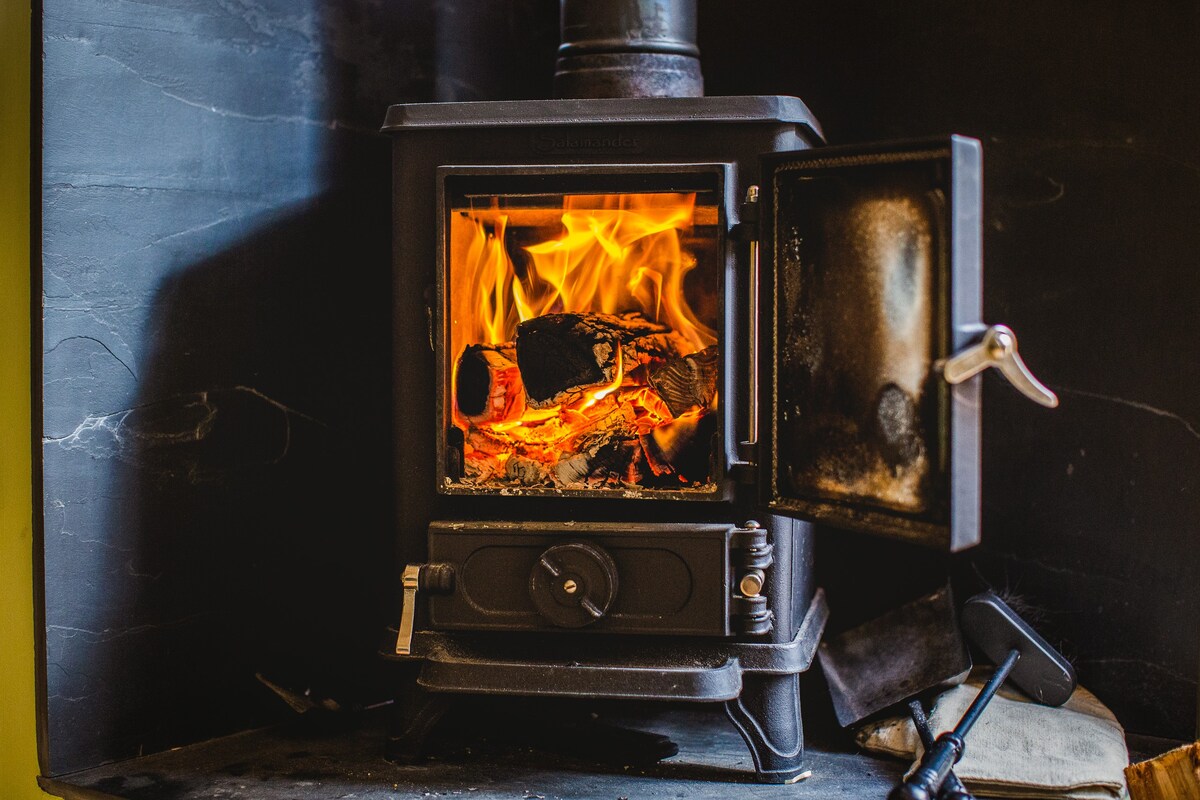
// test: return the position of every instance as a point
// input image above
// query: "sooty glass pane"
(858, 254)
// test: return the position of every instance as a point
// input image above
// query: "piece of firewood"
(561, 356)
(689, 381)
(682, 448)
(571, 470)
(526, 471)
(603, 446)
(1175, 775)
(488, 385)
(487, 441)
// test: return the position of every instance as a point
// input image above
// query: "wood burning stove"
(626, 328)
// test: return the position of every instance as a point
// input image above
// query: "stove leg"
(414, 714)
(767, 714)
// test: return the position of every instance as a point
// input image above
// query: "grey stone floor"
(295, 763)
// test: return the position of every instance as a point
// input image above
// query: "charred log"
(682, 449)
(526, 471)
(688, 382)
(563, 355)
(488, 385)
(602, 447)
(487, 441)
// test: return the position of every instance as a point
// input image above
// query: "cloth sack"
(1019, 748)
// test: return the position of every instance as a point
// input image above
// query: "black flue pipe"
(628, 48)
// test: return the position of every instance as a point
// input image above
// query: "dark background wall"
(1092, 198)
(216, 368)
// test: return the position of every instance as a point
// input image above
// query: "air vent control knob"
(573, 584)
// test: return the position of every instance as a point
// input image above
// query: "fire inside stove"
(583, 343)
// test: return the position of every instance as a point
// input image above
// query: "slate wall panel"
(216, 263)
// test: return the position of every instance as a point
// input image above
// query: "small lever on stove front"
(433, 578)
(411, 581)
(997, 348)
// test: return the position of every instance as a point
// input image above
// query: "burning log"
(561, 356)
(644, 422)
(481, 468)
(687, 382)
(484, 441)
(602, 445)
(488, 385)
(526, 471)
(571, 470)
(682, 448)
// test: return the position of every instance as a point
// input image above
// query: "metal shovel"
(1022, 656)
(914, 650)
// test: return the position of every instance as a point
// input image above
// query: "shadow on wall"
(217, 259)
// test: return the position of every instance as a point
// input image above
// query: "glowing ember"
(558, 340)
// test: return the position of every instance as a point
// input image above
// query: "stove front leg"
(414, 715)
(767, 714)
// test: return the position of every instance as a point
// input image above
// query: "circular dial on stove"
(574, 584)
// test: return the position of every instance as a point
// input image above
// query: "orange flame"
(611, 253)
(616, 253)
(597, 395)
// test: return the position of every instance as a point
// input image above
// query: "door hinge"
(751, 555)
(744, 468)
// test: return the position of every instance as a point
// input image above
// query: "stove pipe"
(628, 48)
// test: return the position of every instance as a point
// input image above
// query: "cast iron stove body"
(627, 328)
(689, 600)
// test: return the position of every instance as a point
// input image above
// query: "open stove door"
(869, 281)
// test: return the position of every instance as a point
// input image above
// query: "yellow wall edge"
(18, 731)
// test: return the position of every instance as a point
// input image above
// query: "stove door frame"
(951, 429)
(595, 179)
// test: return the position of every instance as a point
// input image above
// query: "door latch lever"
(997, 348)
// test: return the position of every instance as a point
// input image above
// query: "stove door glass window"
(582, 340)
(874, 253)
